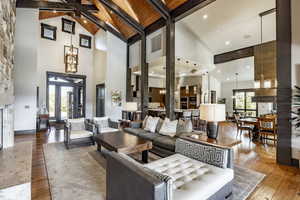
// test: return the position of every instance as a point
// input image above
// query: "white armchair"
(105, 125)
(79, 131)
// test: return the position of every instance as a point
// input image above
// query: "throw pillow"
(204, 153)
(145, 122)
(188, 126)
(159, 124)
(77, 124)
(184, 126)
(102, 122)
(169, 128)
(180, 126)
(151, 124)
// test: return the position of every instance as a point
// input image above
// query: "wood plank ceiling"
(139, 10)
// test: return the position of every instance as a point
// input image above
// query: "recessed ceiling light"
(205, 16)
(54, 11)
(227, 79)
(227, 42)
(248, 67)
(219, 71)
(84, 21)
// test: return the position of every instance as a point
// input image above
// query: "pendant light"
(71, 59)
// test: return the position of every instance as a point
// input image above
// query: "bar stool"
(195, 117)
(187, 114)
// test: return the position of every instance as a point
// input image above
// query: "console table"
(223, 140)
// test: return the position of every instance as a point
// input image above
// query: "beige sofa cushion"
(168, 127)
(80, 134)
(151, 124)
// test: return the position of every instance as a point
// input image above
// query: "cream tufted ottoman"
(192, 179)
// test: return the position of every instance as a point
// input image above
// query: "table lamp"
(130, 107)
(212, 114)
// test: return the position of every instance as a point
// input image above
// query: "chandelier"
(71, 58)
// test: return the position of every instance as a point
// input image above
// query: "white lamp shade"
(130, 106)
(212, 112)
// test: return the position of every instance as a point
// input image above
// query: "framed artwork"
(116, 98)
(68, 26)
(48, 31)
(85, 41)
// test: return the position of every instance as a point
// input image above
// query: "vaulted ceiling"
(139, 10)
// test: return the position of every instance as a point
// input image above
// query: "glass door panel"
(66, 104)
(52, 93)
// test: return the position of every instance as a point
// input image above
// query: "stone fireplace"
(6, 125)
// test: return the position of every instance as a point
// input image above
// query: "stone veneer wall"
(7, 30)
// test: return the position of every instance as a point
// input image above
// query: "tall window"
(242, 103)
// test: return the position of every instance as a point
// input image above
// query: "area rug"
(79, 174)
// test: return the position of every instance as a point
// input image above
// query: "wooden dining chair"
(241, 126)
(266, 128)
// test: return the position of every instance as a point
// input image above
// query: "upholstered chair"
(78, 131)
(105, 125)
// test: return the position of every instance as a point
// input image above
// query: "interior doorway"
(100, 100)
(65, 96)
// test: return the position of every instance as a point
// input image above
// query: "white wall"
(190, 47)
(26, 43)
(51, 58)
(115, 74)
(226, 91)
(295, 68)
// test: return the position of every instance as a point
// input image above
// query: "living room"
(189, 99)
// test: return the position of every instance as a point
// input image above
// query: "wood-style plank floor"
(280, 183)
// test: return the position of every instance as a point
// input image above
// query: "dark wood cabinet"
(188, 97)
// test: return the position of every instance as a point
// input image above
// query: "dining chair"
(267, 127)
(241, 126)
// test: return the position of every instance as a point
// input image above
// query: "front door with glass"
(65, 96)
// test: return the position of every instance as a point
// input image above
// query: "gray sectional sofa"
(162, 145)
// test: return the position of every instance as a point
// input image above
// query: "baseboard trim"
(22, 132)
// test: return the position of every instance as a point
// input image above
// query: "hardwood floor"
(280, 183)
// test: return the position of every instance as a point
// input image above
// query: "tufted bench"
(192, 179)
(196, 172)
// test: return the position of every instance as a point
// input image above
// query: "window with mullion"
(242, 103)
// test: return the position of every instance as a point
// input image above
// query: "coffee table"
(123, 142)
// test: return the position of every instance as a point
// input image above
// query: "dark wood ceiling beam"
(178, 13)
(234, 55)
(148, 30)
(188, 8)
(45, 5)
(101, 24)
(123, 15)
(160, 7)
(267, 12)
